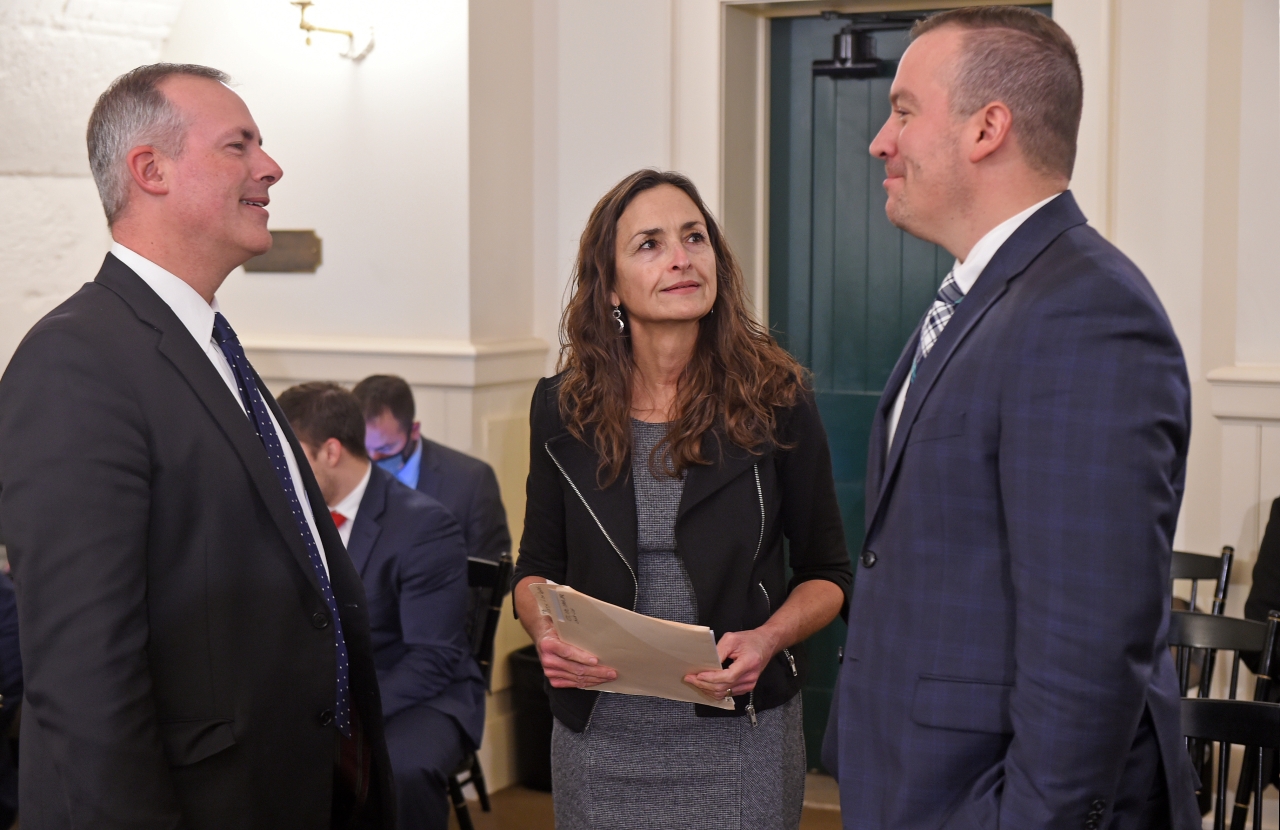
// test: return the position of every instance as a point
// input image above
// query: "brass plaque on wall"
(291, 252)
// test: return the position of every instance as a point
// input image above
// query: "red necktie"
(338, 519)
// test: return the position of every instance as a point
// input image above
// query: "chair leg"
(477, 781)
(1244, 790)
(460, 804)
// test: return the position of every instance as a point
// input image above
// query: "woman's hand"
(750, 652)
(569, 667)
(566, 666)
(811, 605)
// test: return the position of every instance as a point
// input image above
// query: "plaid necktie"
(949, 296)
(256, 408)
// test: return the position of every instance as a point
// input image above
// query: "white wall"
(603, 90)
(375, 156)
(1258, 331)
(56, 56)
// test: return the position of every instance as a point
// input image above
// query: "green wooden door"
(846, 288)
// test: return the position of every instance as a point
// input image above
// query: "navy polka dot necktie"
(256, 409)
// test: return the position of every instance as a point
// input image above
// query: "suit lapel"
(191, 362)
(367, 526)
(614, 507)
(877, 452)
(728, 461)
(428, 470)
(1019, 251)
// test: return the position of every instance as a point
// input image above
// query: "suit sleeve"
(1264, 593)
(1094, 420)
(542, 548)
(810, 512)
(75, 504)
(487, 534)
(433, 608)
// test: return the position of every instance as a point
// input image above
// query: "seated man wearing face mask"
(409, 553)
(465, 485)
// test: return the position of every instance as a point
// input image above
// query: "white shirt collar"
(967, 272)
(195, 314)
(350, 504)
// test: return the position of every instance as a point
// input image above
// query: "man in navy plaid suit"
(1006, 665)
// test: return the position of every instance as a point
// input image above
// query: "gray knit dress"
(645, 762)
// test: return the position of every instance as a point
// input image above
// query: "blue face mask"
(393, 465)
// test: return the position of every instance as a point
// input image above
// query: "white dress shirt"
(197, 317)
(966, 274)
(350, 506)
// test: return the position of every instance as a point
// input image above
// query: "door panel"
(846, 288)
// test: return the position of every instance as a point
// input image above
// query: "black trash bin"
(533, 720)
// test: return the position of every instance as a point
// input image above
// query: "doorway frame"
(720, 108)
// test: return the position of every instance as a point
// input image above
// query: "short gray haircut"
(1026, 61)
(131, 113)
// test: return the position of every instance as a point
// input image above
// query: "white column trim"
(424, 362)
(1246, 392)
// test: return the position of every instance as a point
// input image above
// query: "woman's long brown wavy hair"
(736, 380)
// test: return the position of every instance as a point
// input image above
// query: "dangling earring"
(617, 318)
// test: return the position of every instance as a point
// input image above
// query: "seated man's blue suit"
(410, 554)
(1006, 663)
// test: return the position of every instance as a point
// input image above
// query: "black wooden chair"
(1252, 724)
(1194, 635)
(490, 581)
(1197, 567)
(1188, 630)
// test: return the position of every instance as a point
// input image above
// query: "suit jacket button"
(320, 620)
(868, 558)
(1098, 804)
(326, 717)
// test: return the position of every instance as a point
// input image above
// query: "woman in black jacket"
(669, 458)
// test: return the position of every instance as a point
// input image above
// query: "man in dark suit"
(465, 485)
(1006, 663)
(195, 640)
(409, 552)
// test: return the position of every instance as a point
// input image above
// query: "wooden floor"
(517, 808)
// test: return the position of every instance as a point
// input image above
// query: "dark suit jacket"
(1007, 634)
(409, 552)
(177, 649)
(469, 489)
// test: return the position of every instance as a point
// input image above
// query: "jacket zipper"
(751, 698)
(635, 597)
(759, 495)
(786, 652)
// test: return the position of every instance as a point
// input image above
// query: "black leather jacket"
(730, 526)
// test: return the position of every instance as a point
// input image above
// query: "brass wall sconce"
(352, 53)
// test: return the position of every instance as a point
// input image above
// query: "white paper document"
(651, 656)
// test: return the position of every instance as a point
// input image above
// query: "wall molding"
(422, 362)
(1249, 392)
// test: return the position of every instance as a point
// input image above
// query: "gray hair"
(134, 112)
(1026, 61)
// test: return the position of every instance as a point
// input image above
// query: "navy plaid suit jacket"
(1006, 664)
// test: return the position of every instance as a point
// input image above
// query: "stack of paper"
(651, 656)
